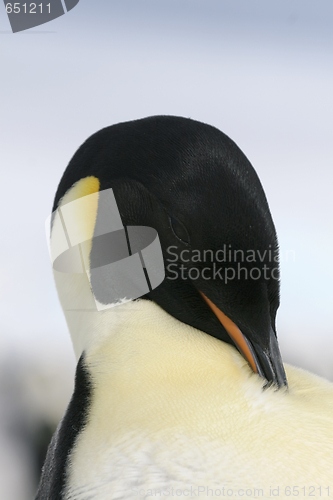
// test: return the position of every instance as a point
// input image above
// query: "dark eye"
(179, 230)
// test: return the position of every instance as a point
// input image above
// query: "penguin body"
(164, 404)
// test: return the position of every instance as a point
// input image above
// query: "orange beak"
(234, 333)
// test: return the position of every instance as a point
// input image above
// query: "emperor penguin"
(165, 258)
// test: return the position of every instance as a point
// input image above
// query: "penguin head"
(192, 185)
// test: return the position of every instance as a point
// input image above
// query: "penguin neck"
(147, 368)
(140, 338)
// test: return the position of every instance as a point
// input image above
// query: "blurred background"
(261, 71)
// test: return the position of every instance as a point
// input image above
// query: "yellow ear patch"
(83, 187)
(84, 213)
